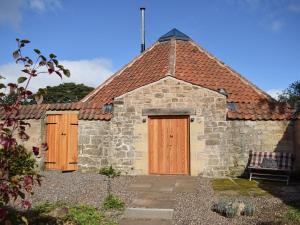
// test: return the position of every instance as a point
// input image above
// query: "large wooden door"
(168, 145)
(62, 142)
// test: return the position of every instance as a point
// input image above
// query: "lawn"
(244, 187)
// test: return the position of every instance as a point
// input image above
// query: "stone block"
(212, 142)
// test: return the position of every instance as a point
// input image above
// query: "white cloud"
(11, 11)
(275, 92)
(89, 72)
(294, 8)
(276, 25)
(43, 5)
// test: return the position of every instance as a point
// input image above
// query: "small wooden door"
(168, 145)
(62, 142)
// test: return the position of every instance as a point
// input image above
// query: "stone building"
(174, 109)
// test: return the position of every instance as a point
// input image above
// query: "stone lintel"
(168, 112)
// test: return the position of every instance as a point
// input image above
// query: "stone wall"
(297, 144)
(207, 144)
(245, 136)
(94, 144)
(37, 135)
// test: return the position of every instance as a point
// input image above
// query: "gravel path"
(79, 188)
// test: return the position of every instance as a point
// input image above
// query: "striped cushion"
(284, 159)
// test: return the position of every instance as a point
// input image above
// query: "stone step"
(153, 203)
(145, 222)
(148, 213)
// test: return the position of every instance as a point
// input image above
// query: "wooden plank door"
(72, 142)
(62, 142)
(51, 157)
(168, 145)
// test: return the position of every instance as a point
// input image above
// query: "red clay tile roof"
(184, 60)
(87, 111)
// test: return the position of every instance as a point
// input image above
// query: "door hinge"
(72, 162)
(73, 123)
(51, 162)
(50, 123)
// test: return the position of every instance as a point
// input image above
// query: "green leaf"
(25, 41)
(66, 72)
(55, 61)
(37, 51)
(21, 79)
(2, 86)
(60, 67)
(16, 54)
(52, 56)
(43, 58)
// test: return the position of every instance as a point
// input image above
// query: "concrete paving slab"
(153, 213)
(145, 222)
(153, 203)
(140, 186)
(156, 195)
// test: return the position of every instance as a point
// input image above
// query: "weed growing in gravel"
(113, 202)
(85, 215)
(110, 174)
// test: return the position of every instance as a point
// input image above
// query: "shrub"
(17, 165)
(113, 202)
(221, 206)
(230, 208)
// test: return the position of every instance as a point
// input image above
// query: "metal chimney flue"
(142, 29)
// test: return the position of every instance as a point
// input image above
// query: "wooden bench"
(271, 165)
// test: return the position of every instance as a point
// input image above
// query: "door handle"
(63, 133)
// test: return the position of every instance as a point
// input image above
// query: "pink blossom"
(26, 204)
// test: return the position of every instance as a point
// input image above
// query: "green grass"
(239, 186)
(79, 215)
(113, 202)
(292, 216)
(87, 215)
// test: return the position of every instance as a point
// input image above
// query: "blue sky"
(258, 38)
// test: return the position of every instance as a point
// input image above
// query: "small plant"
(221, 206)
(230, 211)
(231, 208)
(110, 173)
(249, 209)
(86, 215)
(113, 202)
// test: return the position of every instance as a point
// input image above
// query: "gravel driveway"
(79, 188)
(190, 208)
